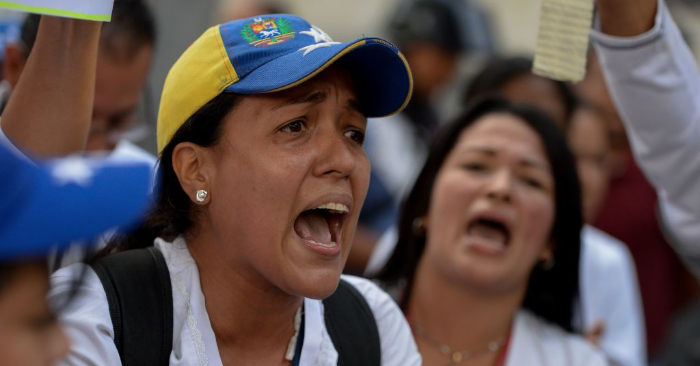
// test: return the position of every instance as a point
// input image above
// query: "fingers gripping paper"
(562, 39)
(99, 10)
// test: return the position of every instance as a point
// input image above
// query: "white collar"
(194, 326)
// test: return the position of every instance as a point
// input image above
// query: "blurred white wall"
(515, 23)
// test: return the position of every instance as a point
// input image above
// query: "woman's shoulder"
(397, 343)
(538, 341)
(378, 300)
(86, 318)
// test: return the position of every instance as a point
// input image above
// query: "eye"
(533, 182)
(474, 166)
(295, 126)
(356, 135)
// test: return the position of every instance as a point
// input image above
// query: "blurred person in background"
(512, 77)
(611, 313)
(58, 201)
(487, 257)
(611, 305)
(125, 53)
(434, 35)
(654, 83)
(629, 213)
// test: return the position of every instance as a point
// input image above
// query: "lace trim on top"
(194, 331)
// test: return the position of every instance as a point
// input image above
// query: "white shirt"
(534, 342)
(89, 327)
(655, 85)
(609, 292)
(608, 289)
(129, 152)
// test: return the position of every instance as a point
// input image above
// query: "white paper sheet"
(562, 39)
(99, 10)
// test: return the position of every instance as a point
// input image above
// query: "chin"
(316, 284)
(483, 276)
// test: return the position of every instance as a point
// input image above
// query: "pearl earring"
(201, 195)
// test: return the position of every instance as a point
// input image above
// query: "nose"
(500, 187)
(335, 156)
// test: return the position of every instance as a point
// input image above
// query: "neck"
(465, 318)
(247, 313)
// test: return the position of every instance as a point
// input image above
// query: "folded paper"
(562, 40)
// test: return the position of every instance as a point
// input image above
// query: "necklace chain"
(458, 356)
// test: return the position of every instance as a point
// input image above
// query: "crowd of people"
(309, 204)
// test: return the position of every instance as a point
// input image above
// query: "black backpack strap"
(351, 325)
(139, 292)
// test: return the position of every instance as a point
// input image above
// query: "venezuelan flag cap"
(275, 52)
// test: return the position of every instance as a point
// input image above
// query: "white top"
(609, 293)
(127, 151)
(608, 289)
(655, 84)
(88, 324)
(536, 342)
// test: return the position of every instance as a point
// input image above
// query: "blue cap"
(275, 52)
(51, 204)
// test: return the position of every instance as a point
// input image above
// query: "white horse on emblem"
(268, 33)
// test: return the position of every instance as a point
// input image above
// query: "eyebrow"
(355, 105)
(491, 152)
(318, 97)
(313, 98)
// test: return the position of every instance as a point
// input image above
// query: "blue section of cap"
(41, 209)
(379, 73)
(246, 56)
(285, 69)
(294, 50)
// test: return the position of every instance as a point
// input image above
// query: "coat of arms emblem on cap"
(268, 31)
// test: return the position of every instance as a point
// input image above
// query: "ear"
(547, 253)
(420, 226)
(13, 65)
(192, 165)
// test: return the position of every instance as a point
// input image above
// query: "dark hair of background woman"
(551, 293)
(500, 71)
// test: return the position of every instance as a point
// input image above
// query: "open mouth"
(322, 225)
(489, 231)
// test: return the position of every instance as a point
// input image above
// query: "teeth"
(332, 206)
(329, 245)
